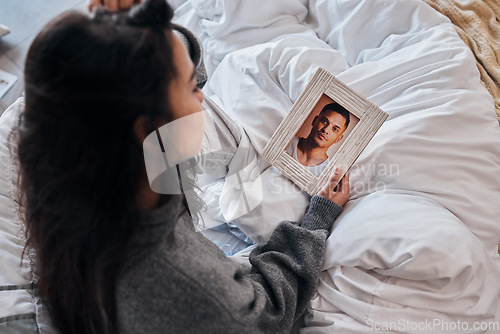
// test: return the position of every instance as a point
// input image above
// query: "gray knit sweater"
(177, 281)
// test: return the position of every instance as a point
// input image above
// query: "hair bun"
(152, 13)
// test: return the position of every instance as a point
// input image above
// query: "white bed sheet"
(418, 240)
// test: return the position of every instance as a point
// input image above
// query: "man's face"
(327, 129)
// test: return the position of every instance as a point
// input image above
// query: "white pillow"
(402, 258)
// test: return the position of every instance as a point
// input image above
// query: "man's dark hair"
(338, 109)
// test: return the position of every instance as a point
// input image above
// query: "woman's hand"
(340, 196)
(113, 5)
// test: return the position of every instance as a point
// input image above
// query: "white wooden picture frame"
(369, 118)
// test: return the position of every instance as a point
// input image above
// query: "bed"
(416, 247)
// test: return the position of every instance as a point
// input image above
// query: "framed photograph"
(329, 125)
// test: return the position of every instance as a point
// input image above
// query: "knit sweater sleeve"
(289, 264)
(185, 284)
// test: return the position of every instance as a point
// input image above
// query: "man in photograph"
(328, 128)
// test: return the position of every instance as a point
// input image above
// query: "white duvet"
(415, 249)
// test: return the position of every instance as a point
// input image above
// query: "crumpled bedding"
(20, 310)
(417, 242)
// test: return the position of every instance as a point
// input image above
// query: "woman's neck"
(147, 199)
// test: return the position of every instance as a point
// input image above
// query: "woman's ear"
(142, 128)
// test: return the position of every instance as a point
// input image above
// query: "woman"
(113, 256)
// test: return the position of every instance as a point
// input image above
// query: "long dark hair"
(87, 80)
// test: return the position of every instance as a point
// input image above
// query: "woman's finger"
(125, 4)
(93, 3)
(344, 184)
(333, 180)
(328, 189)
(111, 5)
(335, 177)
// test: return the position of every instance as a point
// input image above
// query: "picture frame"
(288, 146)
